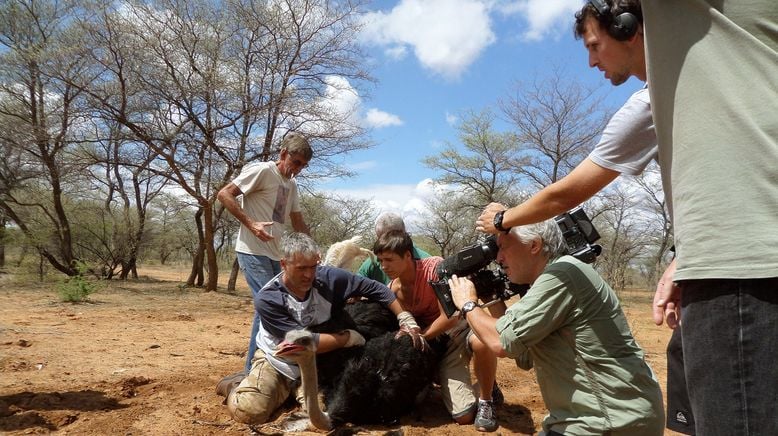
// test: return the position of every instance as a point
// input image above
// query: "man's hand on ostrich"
(408, 326)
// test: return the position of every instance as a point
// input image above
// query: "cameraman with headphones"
(613, 36)
(570, 327)
(612, 33)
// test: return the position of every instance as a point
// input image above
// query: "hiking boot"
(485, 420)
(498, 399)
(228, 383)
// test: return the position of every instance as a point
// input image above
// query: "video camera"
(579, 234)
(492, 285)
(472, 262)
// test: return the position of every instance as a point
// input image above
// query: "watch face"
(498, 220)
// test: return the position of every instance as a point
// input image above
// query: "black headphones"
(621, 26)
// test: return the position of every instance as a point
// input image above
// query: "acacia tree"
(624, 233)
(119, 170)
(484, 167)
(556, 122)
(657, 223)
(39, 111)
(170, 228)
(449, 222)
(201, 83)
(333, 218)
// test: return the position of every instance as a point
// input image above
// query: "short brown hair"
(396, 241)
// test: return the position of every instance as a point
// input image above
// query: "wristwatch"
(498, 221)
(467, 307)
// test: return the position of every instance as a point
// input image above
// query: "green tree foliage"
(39, 110)
(484, 166)
(171, 229)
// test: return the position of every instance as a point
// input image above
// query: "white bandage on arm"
(407, 320)
(354, 339)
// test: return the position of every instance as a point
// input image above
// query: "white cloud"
(545, 17)
(378, 118)
(451, 119)
(341, 97)
(364, 165)
(397, 52)
(344, 100)
(407, 200)
(446, 35)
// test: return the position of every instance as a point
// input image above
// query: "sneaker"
(485, 420)
(497, 397)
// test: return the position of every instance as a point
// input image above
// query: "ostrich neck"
(319, 419)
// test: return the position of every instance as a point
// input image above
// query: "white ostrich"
(299, 346)
(342, 254)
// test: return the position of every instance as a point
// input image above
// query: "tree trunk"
(212, 281)
(196, 276)
(41, 267)
(2, 242)
(233, 276)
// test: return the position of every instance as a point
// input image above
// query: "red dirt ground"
(143, 358)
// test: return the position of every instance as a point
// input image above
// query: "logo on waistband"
(680, 418)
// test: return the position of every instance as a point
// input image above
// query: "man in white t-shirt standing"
(268, 201)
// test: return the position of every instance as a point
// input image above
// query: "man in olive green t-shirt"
(713, 76)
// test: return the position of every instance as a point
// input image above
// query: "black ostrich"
(374, 384)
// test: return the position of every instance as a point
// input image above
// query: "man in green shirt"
(385, 222)
(570, 327)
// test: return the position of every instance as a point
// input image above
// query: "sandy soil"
(143, 358)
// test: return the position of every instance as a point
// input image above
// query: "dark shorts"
(730, 348)
(679, 412)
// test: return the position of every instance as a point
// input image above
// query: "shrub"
(77, 288)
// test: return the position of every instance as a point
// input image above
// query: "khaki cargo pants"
(261, 393)
(454, 375)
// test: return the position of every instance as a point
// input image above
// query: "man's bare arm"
(581, 184)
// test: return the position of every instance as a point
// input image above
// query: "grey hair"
(548, 232)
(388, 221)
(296, 144)
(299, 244)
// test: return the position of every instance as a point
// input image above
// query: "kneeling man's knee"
(248, 407)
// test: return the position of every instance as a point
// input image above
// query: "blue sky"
(434, 59)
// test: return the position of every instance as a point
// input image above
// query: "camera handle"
(490, 303)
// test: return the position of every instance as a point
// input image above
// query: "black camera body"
(579, 234)
(473, 261)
